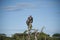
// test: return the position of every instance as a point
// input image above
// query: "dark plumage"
(29, 20)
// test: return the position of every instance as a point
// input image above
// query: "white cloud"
(19, 6)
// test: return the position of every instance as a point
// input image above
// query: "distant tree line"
(24, 36)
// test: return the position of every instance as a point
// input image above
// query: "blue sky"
(14, 13)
